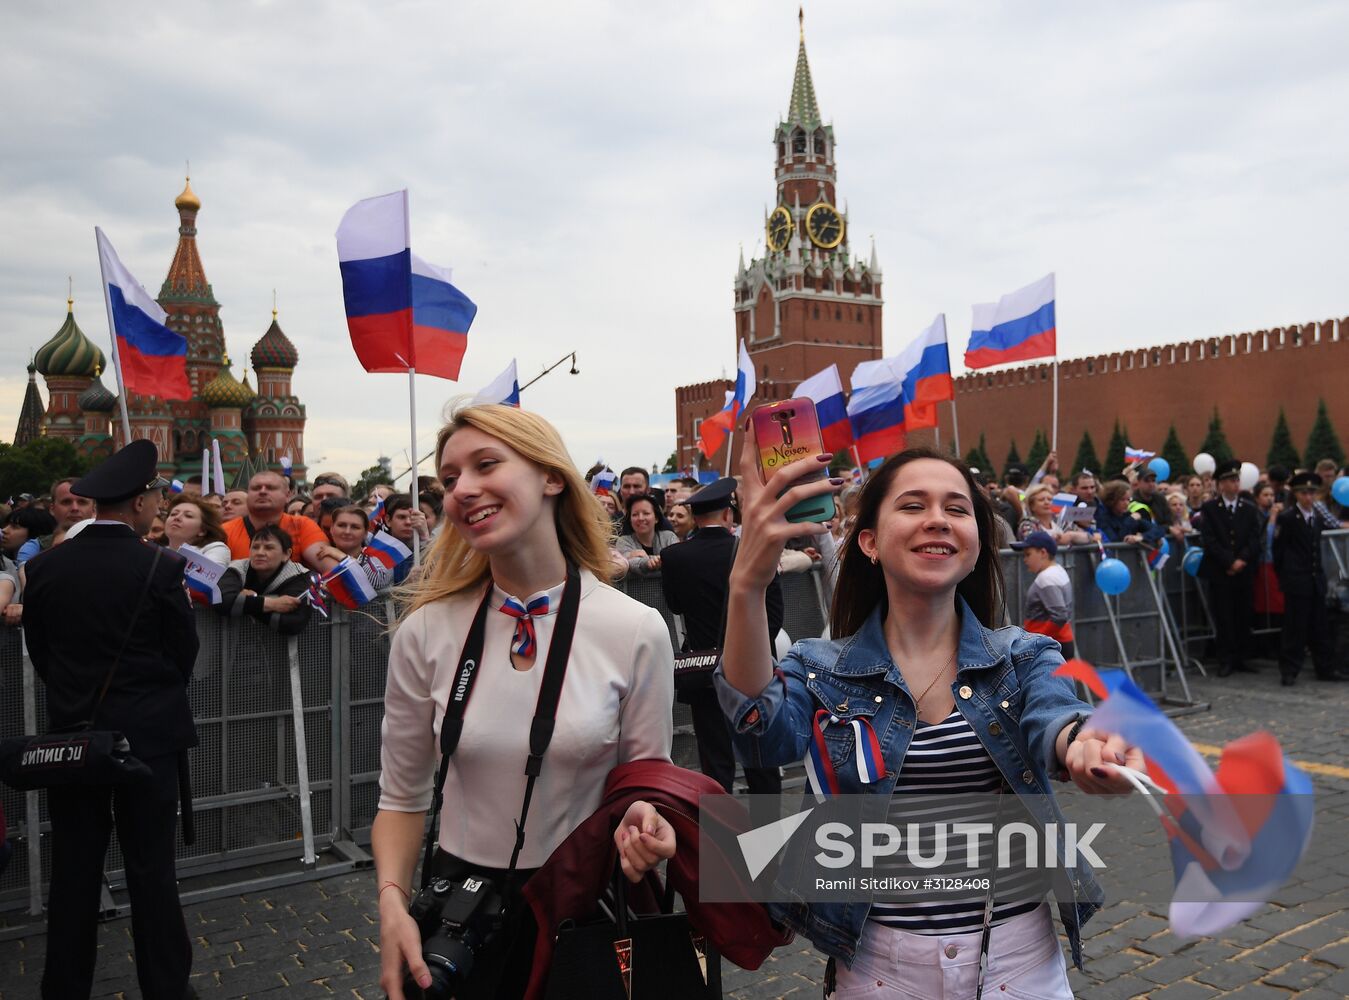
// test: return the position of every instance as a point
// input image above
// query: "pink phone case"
(788, 432)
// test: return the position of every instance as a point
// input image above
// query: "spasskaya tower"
(808, 302)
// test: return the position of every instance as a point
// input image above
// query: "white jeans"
(1025, 962)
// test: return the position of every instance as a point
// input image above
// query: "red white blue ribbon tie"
(821, 774)
(524, 643)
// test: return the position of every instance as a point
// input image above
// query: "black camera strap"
(545, 710)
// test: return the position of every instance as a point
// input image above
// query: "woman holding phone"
(915, 659)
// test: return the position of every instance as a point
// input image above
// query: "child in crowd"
(1049, 601)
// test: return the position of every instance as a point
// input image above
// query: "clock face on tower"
(824, 225)
(778, 230)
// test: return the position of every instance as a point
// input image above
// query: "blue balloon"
(1340, 491)
(1112, 576)
(1192, 561)
(1162, 467)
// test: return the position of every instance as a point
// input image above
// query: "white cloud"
(589, 170)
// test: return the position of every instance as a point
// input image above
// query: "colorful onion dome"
(69, 352)
(97, 399)
(274, 350)
(225, 390)
(188, 199)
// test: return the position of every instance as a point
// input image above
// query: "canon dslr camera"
(456, 920)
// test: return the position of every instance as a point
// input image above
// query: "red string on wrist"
(385, 885)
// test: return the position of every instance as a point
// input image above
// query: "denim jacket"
(1005, 690)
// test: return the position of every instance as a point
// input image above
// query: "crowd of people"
(514, 546)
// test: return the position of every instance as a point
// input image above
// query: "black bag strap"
(726, 597)
(545, 710)
(126, 639)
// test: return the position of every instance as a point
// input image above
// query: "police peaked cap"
(127, 473)
(1305, 481)
(1228, 469)
(713, 497)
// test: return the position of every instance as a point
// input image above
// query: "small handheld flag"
(314, 596)
(377, 515)
(1138, 454)
(714, 429)
(387, 550)
(349, 585)
(176, 486)
(603, 483)
(202, 576)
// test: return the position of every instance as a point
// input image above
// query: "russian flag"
(876, 411)
(1019, 327)
(1062, 501)
(152, 358)
(504, 389)
(348, 584)
(603, 483)
(384, 548)
(1138, 454)
(825, 388)
(924, 367)
(713, 430)
(202, 576)
(1157, 557)
(1235, 836)
(402, 312)
(377, 514)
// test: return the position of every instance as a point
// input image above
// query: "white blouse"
(616, 706)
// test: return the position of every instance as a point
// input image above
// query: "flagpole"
(416, 464)
(730, 439)
(1054, 436)
(112, 331)
(955, 425)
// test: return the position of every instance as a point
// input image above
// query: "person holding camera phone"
(513, 580)
(954, 704)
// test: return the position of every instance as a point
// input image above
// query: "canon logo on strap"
(464, 674)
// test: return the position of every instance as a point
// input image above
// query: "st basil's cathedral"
(255, 428)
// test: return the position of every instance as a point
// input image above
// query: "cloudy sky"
(590, 169)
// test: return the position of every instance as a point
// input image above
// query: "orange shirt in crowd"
(303, 532)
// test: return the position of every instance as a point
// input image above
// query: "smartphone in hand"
(788, 432)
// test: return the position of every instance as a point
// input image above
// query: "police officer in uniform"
(1230, 528)
(1297, 561)
(695, 577)
(80, 607)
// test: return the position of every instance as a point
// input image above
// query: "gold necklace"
(919, 701)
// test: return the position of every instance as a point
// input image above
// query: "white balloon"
(1204, 464)
(1250, 475)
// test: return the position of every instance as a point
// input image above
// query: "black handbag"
(693, 670)
(81, 755)
(622, 956)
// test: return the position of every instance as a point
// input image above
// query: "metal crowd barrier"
(287, 769)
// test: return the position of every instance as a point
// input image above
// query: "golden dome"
(188, 199)
(225, 391)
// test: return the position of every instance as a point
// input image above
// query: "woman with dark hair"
(193, 521)
(919, 670)
(267, 585)
(642, 539)
(23, 530)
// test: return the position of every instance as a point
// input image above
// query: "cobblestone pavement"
(319, 939)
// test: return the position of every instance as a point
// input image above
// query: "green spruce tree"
(1086, 457)
(1013, 458)
(1039, 450)
(1323, 442)
(1281, 450)
(1175, 455)
(1215, 442)
(1114, 454)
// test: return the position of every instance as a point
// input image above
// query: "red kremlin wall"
(1248, 376)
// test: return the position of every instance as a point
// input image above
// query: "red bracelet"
(386, 885)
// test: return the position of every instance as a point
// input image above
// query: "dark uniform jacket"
(695, 576)
(1228, 537)
(76, 612)
(1297, 554)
